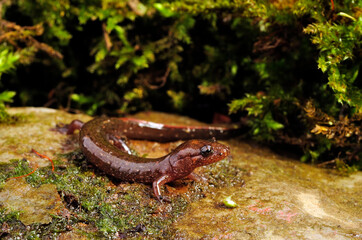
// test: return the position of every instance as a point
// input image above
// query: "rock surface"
(281, 198)
(36, 205)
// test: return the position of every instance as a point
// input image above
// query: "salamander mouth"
(221, 152)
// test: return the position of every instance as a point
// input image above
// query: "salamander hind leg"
(157, 187)
(197, 178)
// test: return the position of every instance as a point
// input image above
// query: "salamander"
(97, 141)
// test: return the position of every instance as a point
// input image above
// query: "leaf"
(7, 96)
(234, 69)
(354, 75)
(136, 93)
(228, 202)
(140, 62)
(342, 14)
(81, 99)
(101, 54)
(305, 157)
(178, 99)
(322, 64)
(112, 22)
(235, 106)
(165, 12)
(149, 55)
(182, 28)
(271, 123)
(121, 33)
(314, 154)
(121, 60)
(122, 80)
(7, 60)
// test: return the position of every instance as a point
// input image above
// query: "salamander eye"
(206, 150)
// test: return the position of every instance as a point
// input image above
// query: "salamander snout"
(225, 151)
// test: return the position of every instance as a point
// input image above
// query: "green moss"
(15, 168)
(8, 216)
(108, 209)
(6, 118)
(9, 220)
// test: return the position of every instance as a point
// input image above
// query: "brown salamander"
(97, 135)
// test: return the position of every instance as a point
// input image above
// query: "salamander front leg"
(157, 187)
(74, 125)
(69, 128)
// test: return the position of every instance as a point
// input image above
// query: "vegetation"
(290, 67)
(7, 61)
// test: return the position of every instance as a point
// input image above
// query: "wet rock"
(35, 204)
(282, 199)
(17, 140)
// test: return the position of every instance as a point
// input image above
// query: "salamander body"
(97, 137)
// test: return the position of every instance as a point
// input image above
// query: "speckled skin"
(95, 144)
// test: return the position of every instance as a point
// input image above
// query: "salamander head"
(195, 153)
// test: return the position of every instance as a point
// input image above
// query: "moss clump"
(99, 207)
(10, 224)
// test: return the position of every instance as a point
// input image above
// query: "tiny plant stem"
(44, 156)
